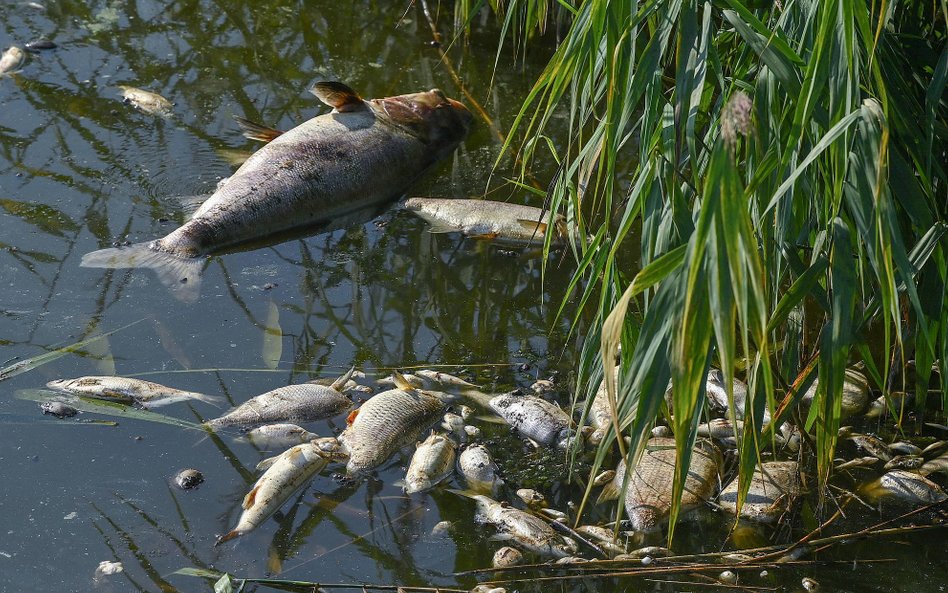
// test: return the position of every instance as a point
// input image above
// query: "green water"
(80, 170)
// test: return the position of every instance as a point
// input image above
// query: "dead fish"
(506, 557)
(432, 463)
(717, 395)
(907, 462)
(442, 382)
(774, 486)
(871, 445)
(904, 448)
(858, 462)
(286, 474)
(600, 412)
(387, 422)
(128, 390)
(279, 436)
(305, 402)
(58, 409)
(519, 527)
(855, 394)
(479, 470)
(721, 429)
(11, 60)
(603, 537)
(486, 219)
(146, 101)
(38, 45)
(360, 154)
(649, 492)
(453, 423)
(535, 418)
(531, 497)
(188, 479)
(938, 465)
(905, 486)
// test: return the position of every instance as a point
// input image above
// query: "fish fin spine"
(255, 131)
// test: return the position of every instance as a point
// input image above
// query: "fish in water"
(11, 60)
(855, 396)
(479, 470)
(648, 496)
(362, 153)
(129, 391)
(387, 422)
(905, 486)
(285, 474)
(279, 436)
(432, 463)
(600, 412)
(306, 402)
(717, 395)
(773, 488)
(535, 418)
(520, 527)
(487, 219)
(146, 101)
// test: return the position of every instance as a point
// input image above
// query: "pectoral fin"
(338, 96)
(250, 498)
(256, 131)
(532, 225)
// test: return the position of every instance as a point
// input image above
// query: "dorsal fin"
(256, 131)
(339, 383)
(338, 96)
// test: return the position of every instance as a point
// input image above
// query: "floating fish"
(535, 418)
(433, 462)
(363, 153)
(129, 391)
(11, 60)
(717, 395)
(306, 402)
(773, 488)
(523, 529)
(855, 394)
(284, 475)
(486, 219)
(279, 436)
(905, 486)
(146, 101)
(600, 412)
(479, 470)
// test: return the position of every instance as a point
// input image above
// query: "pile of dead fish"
(436, 412)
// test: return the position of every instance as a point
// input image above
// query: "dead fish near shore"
(855, 396)
(600, 412)
(479, 470)
(129, 391)
(11, 60)
(487, 219)
(774, 486)
(905, 486)
(648, 496)
(387, 422)
(535, 418)
(279, 436)
(146, 101)
(306, 402)
(284, 475)
(717, 394)
(523, 529)
(362, 153)
(433, 462)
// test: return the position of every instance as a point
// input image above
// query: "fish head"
(329, 447)
(431, 116)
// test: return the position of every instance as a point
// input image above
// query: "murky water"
(80, 170)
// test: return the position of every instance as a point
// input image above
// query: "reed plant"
(777, 170)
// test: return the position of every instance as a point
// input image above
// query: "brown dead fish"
(648, 497)
(486, 219)
(387, 422)
(306, 402)
(774, 486)
(360, 154)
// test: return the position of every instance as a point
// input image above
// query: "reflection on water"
(80, 170)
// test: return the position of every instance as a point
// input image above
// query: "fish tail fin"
(215, 400)
(226, 537)
(182, 276)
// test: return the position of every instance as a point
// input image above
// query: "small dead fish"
(285, 474)
(774, 486)
(146, 101)
(855, 394)
(487, 219)
(907, 462)
(437, 381)
(279, 436)
(128, 390)
(506, 557)
(871, 445)
(858, 462)
(717, 394)
(188, 478)
(938, 465)
(11, 60)
(906, 486)
(38, 45)
(603, 537)
(721, 429)
(535, 418)
(531, 497)
(432, 463)
(305, 402)
(58, 409)
(904, 448)
(526, 530)
(479, 470)
(453, 423)
(542, 386)
(600, 412)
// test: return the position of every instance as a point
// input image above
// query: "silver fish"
(855, 394)
(128, 390)
(442, 382)
(287, 473)
(479, 470)
(11, 60)
(305, 402)
(905, 486)
(432, 463)
(774, 486)
(535, 418)
(721, 429)
(600, 412)
(146, 101)
(360, 154)
(603, 537)
(526, 530)
(938, 465)
(486, 219)
(387, 422)
(717, 395)
(279, 436)
(531, 497)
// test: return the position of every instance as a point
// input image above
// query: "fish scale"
(386, 423)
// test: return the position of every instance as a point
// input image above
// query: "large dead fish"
(648, 496)
(285, 474)
(486, 219)
(129, 391)
(535, 418)
(362, 153)
(387, 422)
(305, 402)
(773, 488)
